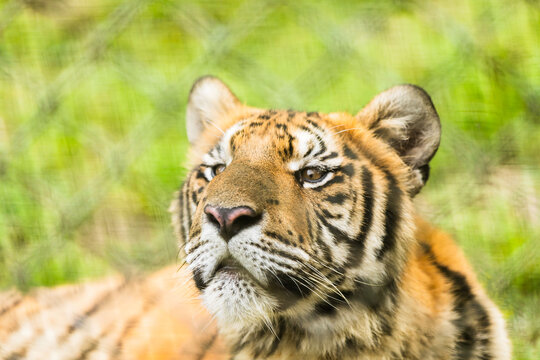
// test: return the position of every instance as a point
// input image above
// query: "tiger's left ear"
(405, 118)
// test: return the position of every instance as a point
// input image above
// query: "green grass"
(92, 102)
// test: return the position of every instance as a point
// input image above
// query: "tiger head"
(295, 215)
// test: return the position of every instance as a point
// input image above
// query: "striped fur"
(337, 269)
(140, 318)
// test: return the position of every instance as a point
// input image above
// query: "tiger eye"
(311, 174)
(217, 169)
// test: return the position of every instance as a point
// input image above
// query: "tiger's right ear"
(209, 100)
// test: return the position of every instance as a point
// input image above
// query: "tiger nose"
(231, 220)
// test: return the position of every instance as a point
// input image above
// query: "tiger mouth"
(230, 267)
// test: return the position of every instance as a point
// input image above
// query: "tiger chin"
(301, 236)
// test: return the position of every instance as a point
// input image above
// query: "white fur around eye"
(311, 185)
(208, 173)
(210, 161)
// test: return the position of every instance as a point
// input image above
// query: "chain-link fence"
(92, 101)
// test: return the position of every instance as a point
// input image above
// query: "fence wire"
(92, 102)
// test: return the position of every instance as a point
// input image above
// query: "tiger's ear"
(209, 100)
(405, 118)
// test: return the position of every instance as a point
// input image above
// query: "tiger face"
(293, 214)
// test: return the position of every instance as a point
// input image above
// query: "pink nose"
(231, 220)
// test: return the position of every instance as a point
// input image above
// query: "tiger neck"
(362, 324)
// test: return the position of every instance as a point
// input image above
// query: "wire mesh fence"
(92, 101)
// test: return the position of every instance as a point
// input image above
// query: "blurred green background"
(92, 139)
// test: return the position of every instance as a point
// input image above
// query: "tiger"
(298, 238)
(300, 232)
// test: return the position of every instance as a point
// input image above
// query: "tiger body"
(299, 232)
(135, 318)
(328, 259)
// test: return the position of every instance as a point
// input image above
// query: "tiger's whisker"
(342, 131)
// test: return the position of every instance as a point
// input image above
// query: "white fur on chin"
(237, 300)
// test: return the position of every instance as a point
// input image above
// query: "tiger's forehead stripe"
(315, 147)
(303, 141)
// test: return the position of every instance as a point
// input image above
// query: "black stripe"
(132, 322)
(276, 236)
(473, 321)
(200, 175)
(12, 305)
(277, 339)
(255, 337)
(332, 303)
(76, 324)
(336, 233)
(348, 170)
(349, 153)
(336, 199)
(291, 148)
(91, 346)
(195, 233)
(258, 343)
(313, 123)
(21, 352)
(80, 321)
(199, 282)
(305, 128)
(384, 134)
(332, 155)
(473, 318)
(311, 148)
(376, 297)
(327, 253)
(322, 144)
(293, 283)
(281, 253)
(206, 346)
(392, 215)
(199, 244)
(359, 244)
(354, 345)
(309, 225)
(180, 215)
(16, 356)
(232, 141)
(290, 114)
(129, 324)
(187, 213)
(329, 215)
